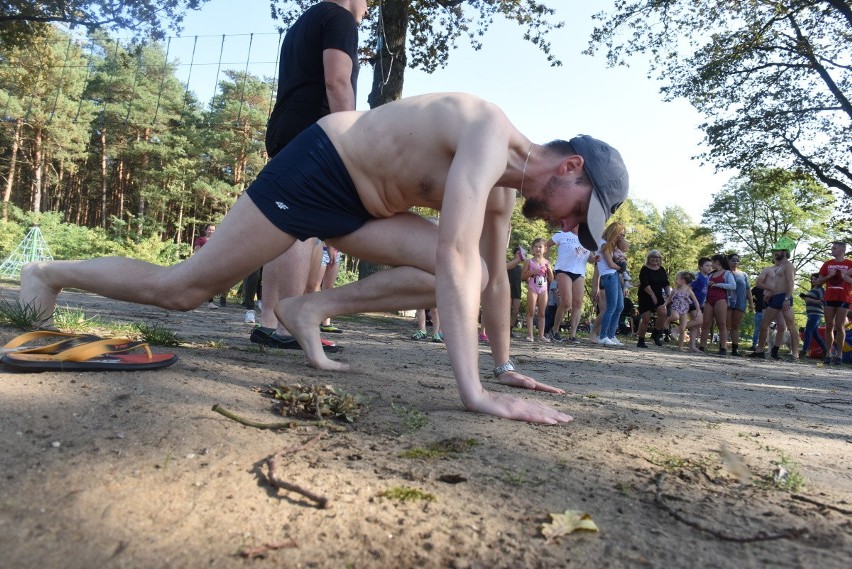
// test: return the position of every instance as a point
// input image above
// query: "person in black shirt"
(318, 73)
(653, 288)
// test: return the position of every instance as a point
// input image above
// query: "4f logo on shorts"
(281, 205)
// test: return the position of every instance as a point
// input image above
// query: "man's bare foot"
(298, 314)
(37, 294)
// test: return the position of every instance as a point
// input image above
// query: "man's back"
(399, 155)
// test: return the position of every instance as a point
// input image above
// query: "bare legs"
(244, 240)
(835, 332)
(578, 291)
(563, 282)
(284, 277)
(393, 289)
(735, 318)
(536, 303)
(719, 313)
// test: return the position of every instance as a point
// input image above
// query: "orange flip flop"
(100, 355)
(21, 344)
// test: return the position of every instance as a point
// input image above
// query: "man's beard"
(534, 208)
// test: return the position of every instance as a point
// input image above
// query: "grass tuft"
(17, 315)
(407, 494)
(158, 335)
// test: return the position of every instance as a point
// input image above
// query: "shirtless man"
(350, 180)
(777, 283)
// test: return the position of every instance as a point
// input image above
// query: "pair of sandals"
(79, 352)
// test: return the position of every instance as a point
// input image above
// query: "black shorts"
(646, 304)
(515, 283)
(837, 304)
(306, 191)
(574, 276)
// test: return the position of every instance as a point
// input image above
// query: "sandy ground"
(134, 469)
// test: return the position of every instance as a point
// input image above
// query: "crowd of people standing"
(701, 307)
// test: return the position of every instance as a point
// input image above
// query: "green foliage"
(412, 419)
(69, 241)
(787, 476)
(436, 27)
(524, 230)
(672, 232)
(772, 77)
(11, 235)
(753, 211)
(144, 18)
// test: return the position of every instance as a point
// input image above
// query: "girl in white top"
(570, 274)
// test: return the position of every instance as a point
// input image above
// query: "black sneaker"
(827, 360)
(573, 340)
(557, 337)
(723, 352)
(761, 355)
(641, 343)
(836, 360)
(271, 339)
(774, 353)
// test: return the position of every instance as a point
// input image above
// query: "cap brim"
(591, 232)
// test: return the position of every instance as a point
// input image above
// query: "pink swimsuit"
(537, 282)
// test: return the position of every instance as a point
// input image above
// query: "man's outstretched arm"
(496, 299)
(480, 159)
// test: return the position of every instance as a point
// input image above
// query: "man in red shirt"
(837, 299)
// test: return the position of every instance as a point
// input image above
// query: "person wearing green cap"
(833, 274)
(777, 282)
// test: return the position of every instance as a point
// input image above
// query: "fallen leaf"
(569, 522)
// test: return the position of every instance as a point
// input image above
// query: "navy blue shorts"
(306, 191)
(776, 301)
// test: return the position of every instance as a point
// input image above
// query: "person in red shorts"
(837, 298)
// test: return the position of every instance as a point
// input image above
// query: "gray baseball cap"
(606, 170)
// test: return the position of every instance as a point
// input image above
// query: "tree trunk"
(388, 75)
(38, 170)
(104, 182)
(389, 64)
(143, 169)
(179, 235)
(16, 143)
(120, 182)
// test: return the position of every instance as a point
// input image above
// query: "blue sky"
(621, 105)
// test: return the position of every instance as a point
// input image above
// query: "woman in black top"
(653, 288)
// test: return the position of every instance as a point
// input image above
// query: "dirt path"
(135, 470)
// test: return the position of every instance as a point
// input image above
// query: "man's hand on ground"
(510, 407)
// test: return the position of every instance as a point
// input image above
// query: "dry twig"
(801, 498)
(278, 482)
(676, 514)
(261, 550)
(291, 424)
(825, 402)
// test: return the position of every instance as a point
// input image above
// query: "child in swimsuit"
(538, 273)
(679, 302)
